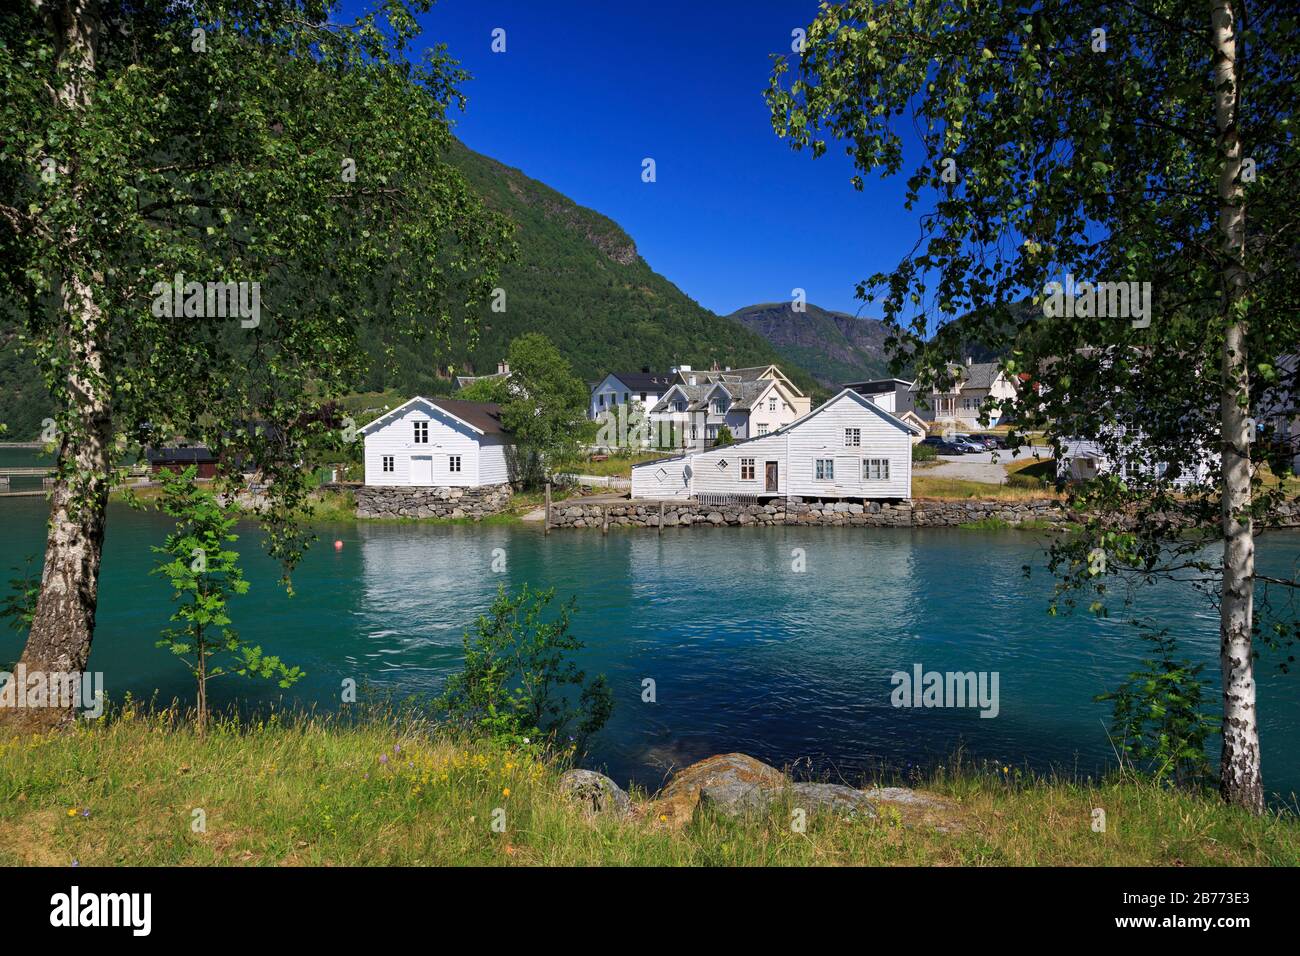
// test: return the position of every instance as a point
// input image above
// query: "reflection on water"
(747, 654)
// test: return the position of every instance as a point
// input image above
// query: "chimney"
(503, 368)
(970, 360)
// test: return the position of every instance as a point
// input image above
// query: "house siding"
(795, 450)
(447, 437)
(822, 436)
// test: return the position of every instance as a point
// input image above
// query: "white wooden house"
(625, 388)
(849, 447)
(437, 442)
(1083, 459)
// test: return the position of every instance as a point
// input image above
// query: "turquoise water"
(746, 654)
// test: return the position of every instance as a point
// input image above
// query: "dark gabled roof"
(643, 381)
(981, 375)
(695, 397)
(485, 416)
(976, 375)
(188, 455)
(877, 386)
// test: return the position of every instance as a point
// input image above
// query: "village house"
(975, 383)
(1082, 459)
(749, 402)
(894, 395)
(625, 388)
(437, 442)
(178, 458)
(848, 448)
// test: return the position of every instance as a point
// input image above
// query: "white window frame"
(771, 404)
(421, 432)
(387, 464)
(747, 465)
(454, 464)
(853, 438)
(875, 469)
(762, 428)
(824, 469)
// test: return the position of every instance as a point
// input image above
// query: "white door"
(422, 470)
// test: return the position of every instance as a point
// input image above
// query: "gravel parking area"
(981, 466)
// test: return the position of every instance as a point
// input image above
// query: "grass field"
(930, 486)
(615, 466)
(144, 789)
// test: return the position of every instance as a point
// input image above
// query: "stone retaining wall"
(476, 503)
(795, 511)
(645, 514)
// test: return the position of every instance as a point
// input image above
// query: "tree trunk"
(64, 621)
(203, 685)
(1240, 778)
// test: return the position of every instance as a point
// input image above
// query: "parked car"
(967, 444)
(943, 447)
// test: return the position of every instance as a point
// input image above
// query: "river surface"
(746, 653)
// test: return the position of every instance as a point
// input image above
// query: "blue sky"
(588, 88)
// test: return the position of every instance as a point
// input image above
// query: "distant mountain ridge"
(833, 347)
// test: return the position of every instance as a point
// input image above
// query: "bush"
(1026, 481)
(924, 453)
(1159, 719)
(513, 686)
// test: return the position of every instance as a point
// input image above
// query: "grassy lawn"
(930, 486)
(128, 790)
(615, 466)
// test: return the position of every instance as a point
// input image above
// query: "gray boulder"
(595, 791)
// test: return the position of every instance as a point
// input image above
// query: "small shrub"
(924, 453)
(1157, 718)
(204, 575)
(517, 671)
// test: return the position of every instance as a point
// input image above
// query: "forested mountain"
(834, 347)
(577, 278)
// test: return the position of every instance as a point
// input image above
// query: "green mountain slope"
(834, 347)
(577, 278)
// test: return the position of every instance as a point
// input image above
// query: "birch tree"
(205, 207)
(1105, 195)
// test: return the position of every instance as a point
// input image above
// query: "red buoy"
(338, 545)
